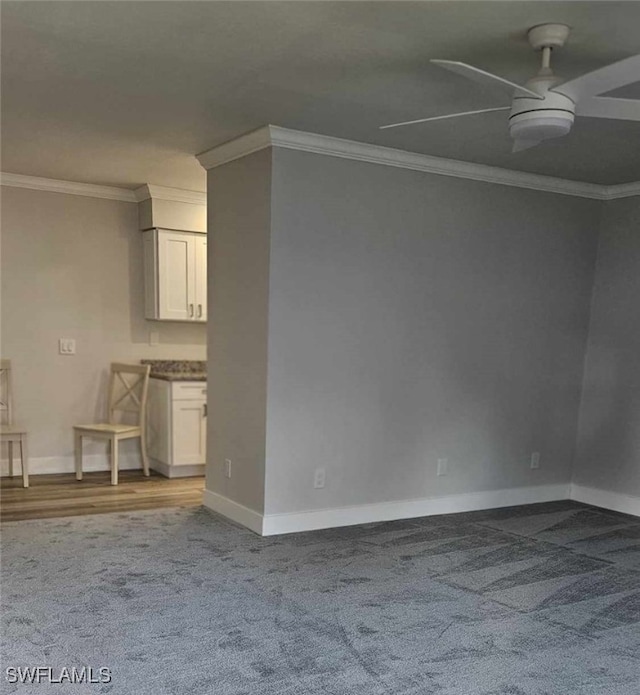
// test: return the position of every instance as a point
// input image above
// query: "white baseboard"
(233, 510)
(408, 509)
(176, 471)
(294, 522)
(616, 501)
(65, 464)
(44, 465)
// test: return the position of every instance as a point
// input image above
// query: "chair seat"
(108, 428)
(12, 429)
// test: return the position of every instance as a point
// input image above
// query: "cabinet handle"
(191, 310)
(199, 310)
(204, 410)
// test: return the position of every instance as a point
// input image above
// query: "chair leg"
(10, 447)
(143, 453)
(24, 457)
(114, 461)
(77, 450)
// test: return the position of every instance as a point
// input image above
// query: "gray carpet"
(537, 600)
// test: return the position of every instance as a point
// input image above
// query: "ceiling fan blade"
(524, 144)
(609, 107)
(603, 80)
(440, 118)
(483, 77)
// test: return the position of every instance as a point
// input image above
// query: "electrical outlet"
(443, 465)
(67, 346)
(227, 468)
(154, 338)
(319, 478)
(535, 459)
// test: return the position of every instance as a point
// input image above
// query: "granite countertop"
(179, 376)
(177, 370)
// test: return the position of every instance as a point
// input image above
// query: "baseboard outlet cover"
(234, 510)
(615, 501)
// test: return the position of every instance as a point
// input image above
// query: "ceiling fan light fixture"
(540, 125)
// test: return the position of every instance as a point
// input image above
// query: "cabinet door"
(201, 277)
(189, 432)
(176, 276)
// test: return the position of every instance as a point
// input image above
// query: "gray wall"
(608, 452)
(72, 267)
(239, 209)
(414, 317)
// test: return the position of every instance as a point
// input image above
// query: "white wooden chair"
(128, 388)
(10, 433)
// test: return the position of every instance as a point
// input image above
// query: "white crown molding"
(239, 147)
(274, 136)
(176, 195)
(623, 190)
(126, 195)
(90, 190)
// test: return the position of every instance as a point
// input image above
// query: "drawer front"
(188, 390)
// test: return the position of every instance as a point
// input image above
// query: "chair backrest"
(6, 406)
(128, 388)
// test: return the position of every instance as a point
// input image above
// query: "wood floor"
(62, 495)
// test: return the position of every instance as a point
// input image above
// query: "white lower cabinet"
(177, 427)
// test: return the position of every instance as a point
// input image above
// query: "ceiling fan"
(545, 106)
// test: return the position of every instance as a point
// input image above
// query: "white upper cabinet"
(201, 277)
(175, 269)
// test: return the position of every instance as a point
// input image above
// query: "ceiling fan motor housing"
(541, 119)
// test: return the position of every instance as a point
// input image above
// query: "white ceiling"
(125, 93)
